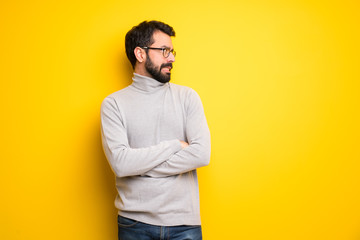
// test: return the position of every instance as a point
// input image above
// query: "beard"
(156, 72)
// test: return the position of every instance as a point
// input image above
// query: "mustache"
(166, 65)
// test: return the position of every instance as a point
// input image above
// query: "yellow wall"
(279, 82)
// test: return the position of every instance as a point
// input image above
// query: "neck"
(145, 83)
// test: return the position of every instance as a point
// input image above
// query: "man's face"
(158, 66)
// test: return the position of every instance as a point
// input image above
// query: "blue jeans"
(133, 230)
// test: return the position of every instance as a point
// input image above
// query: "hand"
(184, 144)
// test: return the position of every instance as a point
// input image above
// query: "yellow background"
(279, 81)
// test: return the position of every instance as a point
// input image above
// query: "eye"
(167, 52)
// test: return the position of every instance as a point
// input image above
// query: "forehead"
(161, 39)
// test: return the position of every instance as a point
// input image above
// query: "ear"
(140, 54)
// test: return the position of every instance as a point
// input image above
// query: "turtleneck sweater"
(156, 178)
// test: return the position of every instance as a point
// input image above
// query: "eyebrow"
(167, 47)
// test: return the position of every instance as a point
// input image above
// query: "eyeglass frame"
(163, 50)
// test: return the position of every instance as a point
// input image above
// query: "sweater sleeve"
(124, 160)
(197, 154)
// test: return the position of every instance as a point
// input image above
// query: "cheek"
(158, 64)
(157, 61)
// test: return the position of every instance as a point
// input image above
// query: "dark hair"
(141, 36)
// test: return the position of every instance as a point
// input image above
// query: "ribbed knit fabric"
(141, 126)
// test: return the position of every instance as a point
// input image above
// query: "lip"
(167, 69)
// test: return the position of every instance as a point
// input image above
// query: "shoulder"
(187, 96)
(183, 90)
(112, 100)
(120, 93)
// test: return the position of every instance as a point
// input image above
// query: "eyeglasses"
(165, 51)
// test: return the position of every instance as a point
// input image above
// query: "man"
(155, 136)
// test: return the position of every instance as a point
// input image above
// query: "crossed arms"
(167, 158)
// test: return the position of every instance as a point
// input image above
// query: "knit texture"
(141, 126)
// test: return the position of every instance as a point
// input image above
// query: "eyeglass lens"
(167, 52)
